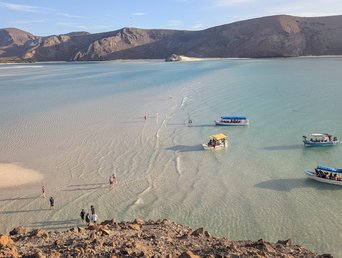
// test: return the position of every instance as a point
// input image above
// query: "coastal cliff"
(272, 36)
(162, 238)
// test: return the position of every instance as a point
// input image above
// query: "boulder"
(188, 254)
(18, 231)
(5, 241)
(40, 233)
(134, 226)
(198, 232)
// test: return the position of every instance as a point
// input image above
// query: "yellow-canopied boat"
(216, 142)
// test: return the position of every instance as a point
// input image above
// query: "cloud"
(35, 9)
(139, 14)
(28, 22)
(22, 8)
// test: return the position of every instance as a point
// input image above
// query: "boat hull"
(217, 147)
(312, 144)
(313, 176)
(242, 123)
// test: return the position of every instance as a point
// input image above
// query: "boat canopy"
(330, 169)
(234, 117)
(319, 134)
(219, 136)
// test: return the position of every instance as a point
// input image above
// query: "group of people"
(86, 217)
(213, 142)
(51, 200)
(231, 121)
(327, 175)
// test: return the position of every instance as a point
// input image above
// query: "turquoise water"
(76, 123)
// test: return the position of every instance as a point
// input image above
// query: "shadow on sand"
(203, 125)
(56, 224)
(284, 147)
(19, 199)
(21, 211)
(186, 148)
(286, 185)
(85, 187)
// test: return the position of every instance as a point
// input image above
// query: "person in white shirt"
(94, 218)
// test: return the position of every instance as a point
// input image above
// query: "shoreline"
(186, 59)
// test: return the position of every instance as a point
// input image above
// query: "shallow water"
(76, 123)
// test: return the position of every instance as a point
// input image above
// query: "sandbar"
(15, 175)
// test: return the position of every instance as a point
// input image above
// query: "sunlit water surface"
(77, 123)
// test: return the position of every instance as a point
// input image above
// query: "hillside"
(273, 36)
(162, 238)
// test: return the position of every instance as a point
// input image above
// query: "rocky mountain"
(162, 238)
(272, 36)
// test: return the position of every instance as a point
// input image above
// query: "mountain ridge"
(270, 36)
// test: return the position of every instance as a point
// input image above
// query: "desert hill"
(272, 36)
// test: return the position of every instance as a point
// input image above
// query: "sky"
(43, 18)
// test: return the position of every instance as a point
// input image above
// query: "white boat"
(216, 142)
(320, 139)
(326, 175)
(232, 121)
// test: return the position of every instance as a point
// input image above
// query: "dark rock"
(188, 254)
(18, 231)
(40, 233)
(198, 232)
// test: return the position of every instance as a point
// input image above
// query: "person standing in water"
(52, 202)
(94, 217)
(82, 214)
(43, 192)
(87, 218)
(111, 181)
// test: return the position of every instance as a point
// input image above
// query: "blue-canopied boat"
(326, 174)
(320, 139)
(232, 120)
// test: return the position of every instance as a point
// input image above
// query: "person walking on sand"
(94, 218)
(114, 178)
(92, 208)
(87, 219)
(82, 214)
(43, 192)
(52, 202)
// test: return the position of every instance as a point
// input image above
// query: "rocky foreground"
(161, 238)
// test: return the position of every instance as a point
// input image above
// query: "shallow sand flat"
(15, 175)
